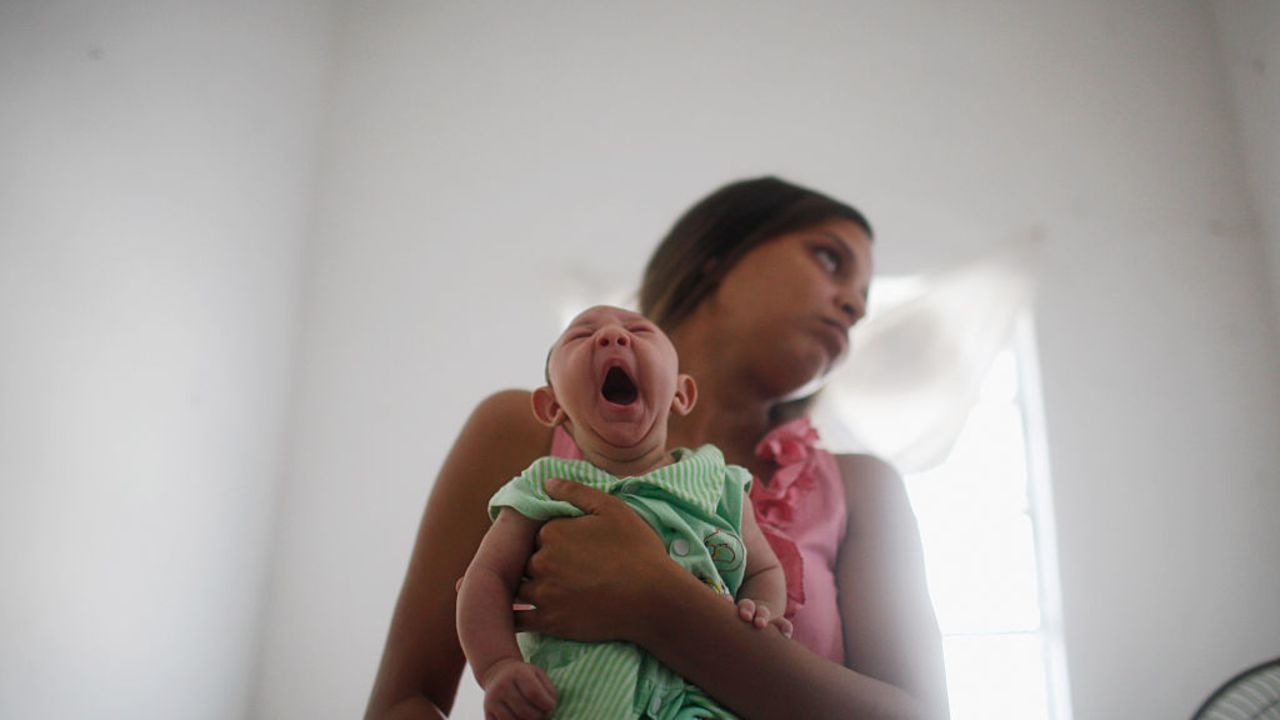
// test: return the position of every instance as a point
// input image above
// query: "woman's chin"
(807, 389)
(802, 374)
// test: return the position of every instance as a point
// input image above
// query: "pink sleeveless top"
(801, 511)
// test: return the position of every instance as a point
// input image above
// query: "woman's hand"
(595, 577)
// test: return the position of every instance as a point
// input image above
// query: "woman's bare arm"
(422, 660)
(890, 630)
(663, 608)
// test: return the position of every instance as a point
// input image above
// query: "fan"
(1252, 695)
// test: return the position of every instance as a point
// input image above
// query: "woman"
(757, 286)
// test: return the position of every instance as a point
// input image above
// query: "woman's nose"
(853, 308)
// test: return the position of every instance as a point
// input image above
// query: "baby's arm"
(763, 596)
(486, 626)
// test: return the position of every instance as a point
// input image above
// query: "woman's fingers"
(595, 574)
(528, 621)
(528, 618)
(587, 499)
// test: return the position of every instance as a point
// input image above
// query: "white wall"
(155, 175)
(487, 161)
(1249, 47)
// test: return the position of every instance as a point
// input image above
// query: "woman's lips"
(835, 334)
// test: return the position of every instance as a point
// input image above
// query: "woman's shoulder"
(870, 482)
(509, 404)
(502, 433)
(509, 414)
(862, 465)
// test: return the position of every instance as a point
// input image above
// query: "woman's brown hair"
(710, 238)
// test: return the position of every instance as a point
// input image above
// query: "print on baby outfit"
(715, 584)
(726, 549)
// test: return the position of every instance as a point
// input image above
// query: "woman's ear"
(686, 395)
(545, 407)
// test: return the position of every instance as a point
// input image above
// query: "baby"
(612, 381)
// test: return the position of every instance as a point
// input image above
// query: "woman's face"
(790, 302)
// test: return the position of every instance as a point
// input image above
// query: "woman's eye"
(829, 259)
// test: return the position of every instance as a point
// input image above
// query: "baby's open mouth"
(618, 387)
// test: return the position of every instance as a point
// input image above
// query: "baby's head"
(613, 378)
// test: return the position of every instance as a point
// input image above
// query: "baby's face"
(616, 374)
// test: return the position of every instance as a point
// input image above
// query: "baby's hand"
(515, 690)
(753, 612)
(758, 614)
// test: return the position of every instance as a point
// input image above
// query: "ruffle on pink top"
(801, 512)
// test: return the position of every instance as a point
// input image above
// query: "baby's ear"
(686, 395)
(545, 407)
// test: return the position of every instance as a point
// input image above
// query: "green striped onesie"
(695, 506)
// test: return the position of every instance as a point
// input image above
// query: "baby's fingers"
(495, 709)
(762, 616)
(746, 609)
(536, 687)
(518, 707)
(784, 626)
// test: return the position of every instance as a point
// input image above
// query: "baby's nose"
(612, 336)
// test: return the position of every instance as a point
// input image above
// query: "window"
(986, 523)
